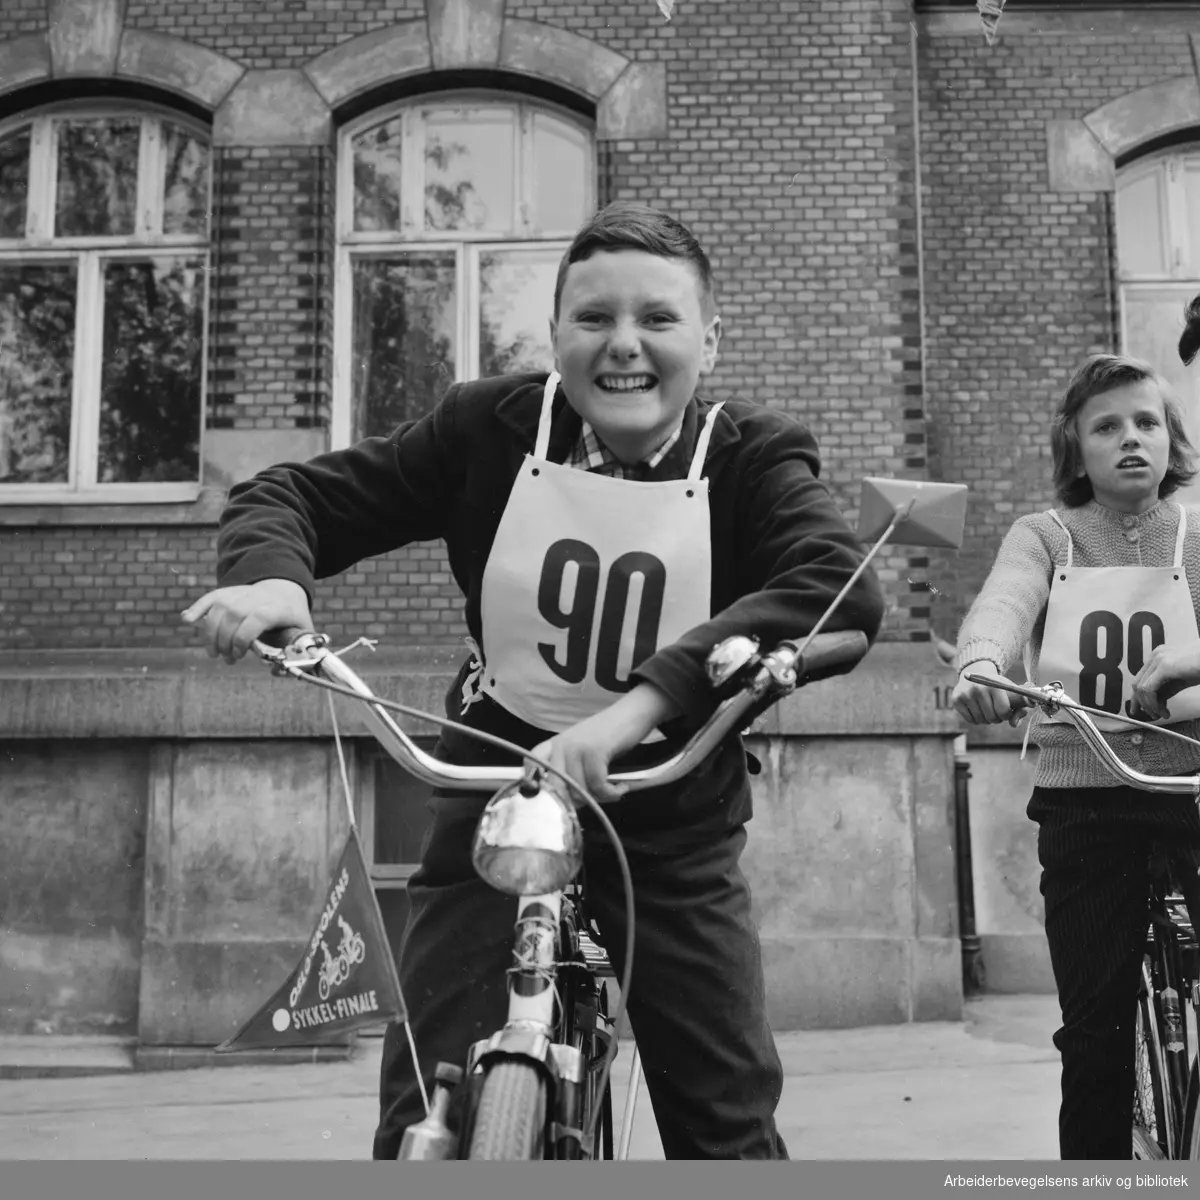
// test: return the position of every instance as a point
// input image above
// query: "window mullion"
(468, 311)
(344, 198)
(412, 174)
(89, 350)
(341, 417)
(150, 181)
(1177, 222)
(39, 215)
(531, 223)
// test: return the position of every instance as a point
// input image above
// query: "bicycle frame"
(1176, 1091)
(547, 940)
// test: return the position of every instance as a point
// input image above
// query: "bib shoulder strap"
(1070, 545)
(1180, 535)
(697, 467)
(542, 446)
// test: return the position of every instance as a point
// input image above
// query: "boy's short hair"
(627, 225)
(1099, 374)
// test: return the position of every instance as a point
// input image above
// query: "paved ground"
(983, 1088)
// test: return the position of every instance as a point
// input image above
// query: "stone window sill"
(204, 510)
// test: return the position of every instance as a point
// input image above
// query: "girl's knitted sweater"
(1010, 611)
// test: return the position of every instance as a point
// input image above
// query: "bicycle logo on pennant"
(335, 970)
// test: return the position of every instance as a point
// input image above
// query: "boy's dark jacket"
(781, 550)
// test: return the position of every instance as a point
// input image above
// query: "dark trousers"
(696, 1000)
(1095, 847)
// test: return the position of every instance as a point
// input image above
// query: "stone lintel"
(635, 107)
(84, 36)
(179, 66)
(1075, 160)
(465, 33)
(1149, 112)
(273, 108)
(371, 60)
(23, 61)
(578, 63)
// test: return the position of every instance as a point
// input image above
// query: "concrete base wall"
(217, 814)
(1009, 911)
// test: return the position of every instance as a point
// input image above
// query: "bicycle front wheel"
(511, 1118)
(1150, 1137)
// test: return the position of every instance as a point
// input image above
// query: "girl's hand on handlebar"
(978, 704)
(1168, 670)
(230, 618)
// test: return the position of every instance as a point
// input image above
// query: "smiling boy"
(607, 527)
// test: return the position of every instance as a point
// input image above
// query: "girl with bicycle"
(1084, 589)
(560, 497)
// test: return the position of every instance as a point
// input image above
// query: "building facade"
(234, 234)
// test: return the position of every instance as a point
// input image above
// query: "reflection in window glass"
(561, 174)
(470, 163)
(151, 374)
(404, 337)
(377, 188)
(185, 183)
(14, 184)
(516, 301)
(97, 177)
(37, 347)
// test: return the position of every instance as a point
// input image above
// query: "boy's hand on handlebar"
(232, 617)
(1168, 670)
(586, 749)
(978, 704)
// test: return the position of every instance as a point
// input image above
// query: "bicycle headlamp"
(528, 841)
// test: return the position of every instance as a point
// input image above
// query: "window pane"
(405, 337)
(516, 301)
(1153, 323)
(185, 183)
(97, 177)
(377, 188)
(561, 175)
(14, 184)
(150, 378)
(470, 164)
(1142, 242)
(37, 346)
(1191, 192)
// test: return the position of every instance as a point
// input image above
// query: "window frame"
(89, 253)
(467, 245)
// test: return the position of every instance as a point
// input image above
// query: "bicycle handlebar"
(766, 679)
(1051, 698)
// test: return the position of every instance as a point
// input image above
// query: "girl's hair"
(1101, 373)
(627, 225)
(1189, 341)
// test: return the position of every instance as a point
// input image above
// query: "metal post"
(972, 956)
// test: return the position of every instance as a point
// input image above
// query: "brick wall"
(261, 34)
(792, 153)
(270, 299)
(1018, 277)
(19, 17)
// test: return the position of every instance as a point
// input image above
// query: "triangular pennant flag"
(989, 14)
(346, 979)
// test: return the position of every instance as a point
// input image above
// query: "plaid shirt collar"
(591, 454)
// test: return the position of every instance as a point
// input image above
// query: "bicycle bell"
(528, 841)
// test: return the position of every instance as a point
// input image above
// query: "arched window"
(453, 214)
(1158, 270)
(103, 259)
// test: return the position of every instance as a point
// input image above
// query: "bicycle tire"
(1149, 1095)
(510, 1121)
